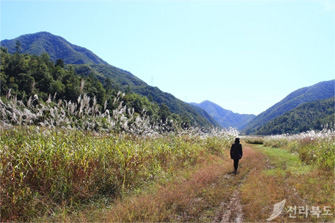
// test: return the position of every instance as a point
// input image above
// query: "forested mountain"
(312, 115)
(319, 91)
(84, 63)
(225, 118)
(26, 75)
(56, 46)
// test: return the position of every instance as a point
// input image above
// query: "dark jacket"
(236, 151)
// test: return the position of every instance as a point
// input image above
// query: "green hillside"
(121, 79)
(85, 64)
(319, 91)
(56, 46)
(312, 115)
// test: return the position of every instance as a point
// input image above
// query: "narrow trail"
(231, 210)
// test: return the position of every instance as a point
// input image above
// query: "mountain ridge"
(318, 91)
(311, 115)
(86, 62)
(224, 117)
(56, 46)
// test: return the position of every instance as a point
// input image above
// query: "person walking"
(236, 153)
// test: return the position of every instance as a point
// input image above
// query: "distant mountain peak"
(57, 47)
(224, 117)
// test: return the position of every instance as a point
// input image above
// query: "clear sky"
(244, 55)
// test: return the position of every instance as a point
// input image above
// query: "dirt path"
(267, 177)
(232, 210)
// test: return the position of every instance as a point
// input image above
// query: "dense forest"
(314, 115)
(28, 75)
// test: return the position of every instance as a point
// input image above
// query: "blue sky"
(244, 55)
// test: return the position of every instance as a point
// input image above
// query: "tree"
(72, 86)
(18, 47)
(60, 63)
(164, 112)
(26, 83)
(57, 87)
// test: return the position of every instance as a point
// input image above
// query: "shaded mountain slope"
(319, 91)
(309, 116)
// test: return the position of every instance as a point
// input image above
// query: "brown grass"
(261, 191)
(182, 200)
(195, 195)
(202, 192)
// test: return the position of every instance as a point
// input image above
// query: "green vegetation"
(85, 63)
(26, 76)
(313, 147)
(74, 148)
(285, 161)
(313, 115)
(29, 75)
(319, 91)
(55, 46)
(316, 148)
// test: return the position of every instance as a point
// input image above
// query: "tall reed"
(313, 147)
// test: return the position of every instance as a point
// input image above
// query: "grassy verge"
(64, 175)
(282, 175)
(45, 170)
(197, 193)
(192, 195)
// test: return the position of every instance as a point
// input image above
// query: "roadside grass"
(257, 192)
(194, 194)
(317, 148)
(68, 176)
(199, 193)
(47, 171)
(285, 161)
(191, 197)
(284, 176)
